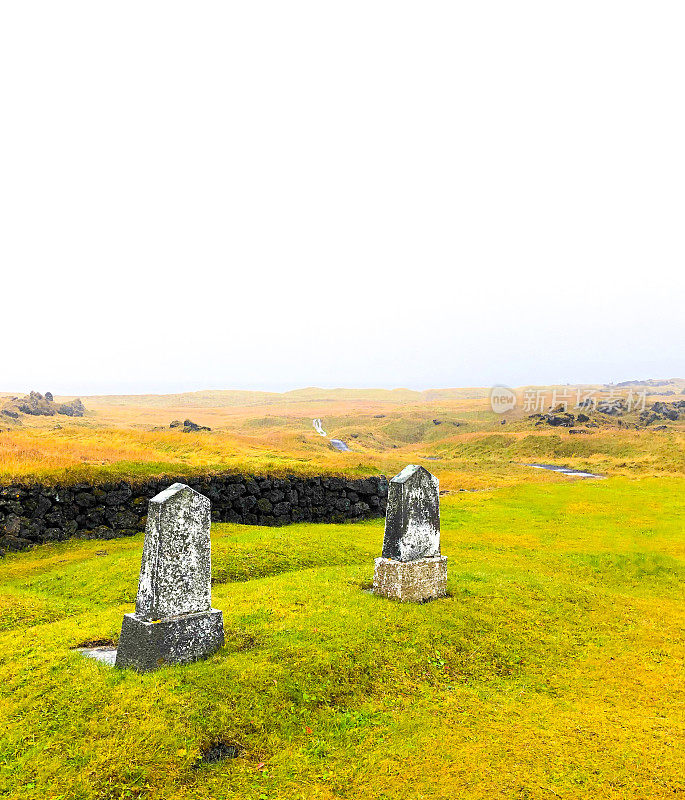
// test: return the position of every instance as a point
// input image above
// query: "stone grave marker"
(411, 567)
(174, 622)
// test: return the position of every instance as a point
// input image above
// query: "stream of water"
(572, 473)
(337, 443)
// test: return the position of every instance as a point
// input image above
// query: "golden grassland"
(453, 432)
(553, 668)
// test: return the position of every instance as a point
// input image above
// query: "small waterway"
(572, 473)
(338, 444)
(318, 428)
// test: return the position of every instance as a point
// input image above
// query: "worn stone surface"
(176, 572)
(146, 645)
(34, 513)
(174, 622)
(411, 581)
(411, 567)
(412, 522)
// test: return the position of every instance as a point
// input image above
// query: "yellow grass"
(266, 432)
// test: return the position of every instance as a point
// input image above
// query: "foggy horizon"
(369, 196)
(331, 388)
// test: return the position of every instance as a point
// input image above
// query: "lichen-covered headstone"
(174, 622)
(411, 567)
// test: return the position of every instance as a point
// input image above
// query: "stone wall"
(33, 514)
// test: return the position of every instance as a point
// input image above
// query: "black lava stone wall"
(33, 514)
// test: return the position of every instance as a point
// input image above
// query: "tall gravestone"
(411, 567)
(174, 622)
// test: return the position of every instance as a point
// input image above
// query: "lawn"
(553, 669)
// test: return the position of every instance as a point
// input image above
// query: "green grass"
(553, 669)
(626, 452)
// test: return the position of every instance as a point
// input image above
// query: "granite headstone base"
(411, 581)
(146, 645)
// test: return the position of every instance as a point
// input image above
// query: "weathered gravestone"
(174, 622)
(411, 567)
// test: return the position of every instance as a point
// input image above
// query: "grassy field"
(453, 432)
(553, 669)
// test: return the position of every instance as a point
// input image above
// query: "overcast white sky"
(279, 194)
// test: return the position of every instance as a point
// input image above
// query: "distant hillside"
(317, 396)
(314, 395)
(664, 386)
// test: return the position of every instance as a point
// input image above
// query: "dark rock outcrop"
(187, 426)
(661, 410)
(192, 427)
(37, 405)
(555, 419)
(613, 408)
(73, 409)
(616, 408)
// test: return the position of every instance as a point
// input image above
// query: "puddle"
(572, 473)
(108, 654)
